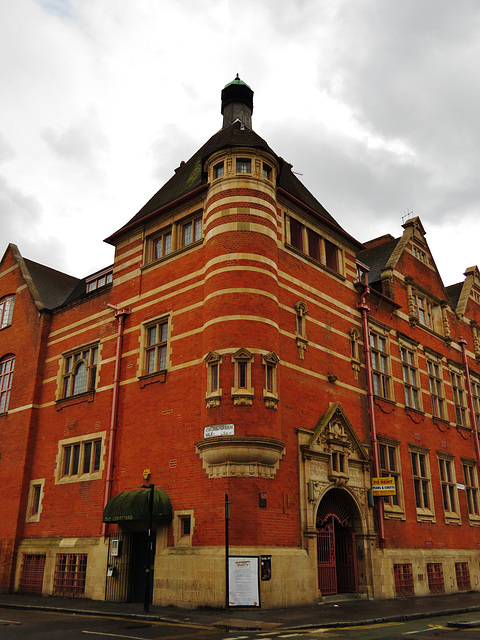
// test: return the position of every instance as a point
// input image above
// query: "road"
(16, 624)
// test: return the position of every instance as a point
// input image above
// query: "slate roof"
(376, 258)
(454, 291)
(53, 286)
(191, 176)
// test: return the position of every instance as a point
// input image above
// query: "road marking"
(429, 628)
(379, 625)
(9, 622)
(113, 635)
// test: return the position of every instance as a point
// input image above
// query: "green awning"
(133, 506)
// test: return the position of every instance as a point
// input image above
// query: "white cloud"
(374, 102)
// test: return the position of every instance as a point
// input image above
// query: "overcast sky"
(376, 104)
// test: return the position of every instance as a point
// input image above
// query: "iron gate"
(118, 581)
(336, 555)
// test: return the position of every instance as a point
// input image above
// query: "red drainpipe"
(120, 314)
(473, 419)
(363, 307)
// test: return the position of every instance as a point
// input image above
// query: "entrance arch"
(336, 554)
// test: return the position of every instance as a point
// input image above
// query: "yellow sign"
(384, 486)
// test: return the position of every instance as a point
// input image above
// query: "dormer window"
(99, 280)
(244, 165)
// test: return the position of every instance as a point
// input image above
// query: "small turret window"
(267, 172)
(244, 165)
(218, 170)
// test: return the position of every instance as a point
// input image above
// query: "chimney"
(237, 102)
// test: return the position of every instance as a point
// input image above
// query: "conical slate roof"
(190, 176)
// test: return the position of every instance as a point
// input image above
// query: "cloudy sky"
(375, 103)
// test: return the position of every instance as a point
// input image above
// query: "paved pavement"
(327, 614)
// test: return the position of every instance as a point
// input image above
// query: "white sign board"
(219, 430)
(243, 578)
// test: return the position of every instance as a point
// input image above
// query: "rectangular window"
(218, 170)
(380, 366)
(423, 310)
(462, 574)
(80, 459)
(80, 371)
(296, 234)
(156, 347)
(435, 381)
(459, 398)
(242, 375)
(403, 579)
(476, 399)
(410, 378)
(70, 574)
(214, 376)
(390, 467)
(448, 486)
(6, 311)
(83, 457)
(313, 244)
(162, 245)
(435, 577)
(34, 504)
(470, 479)
(186, 525)
(331, 255)
(267, 171)
(244, 165)
(7, 366)
(422, 485)
(191, 231)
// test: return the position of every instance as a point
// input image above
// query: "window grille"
(31, 579)
(435, 577)
(403, 579)
(70, 574)
(463, 576)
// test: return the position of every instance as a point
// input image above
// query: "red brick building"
(242, 345)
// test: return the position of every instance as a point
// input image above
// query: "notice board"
(244, 582)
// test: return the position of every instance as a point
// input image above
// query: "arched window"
(7, 365)
(80, 371)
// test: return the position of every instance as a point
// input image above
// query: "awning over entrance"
(132, 506)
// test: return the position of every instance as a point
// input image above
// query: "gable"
(334, 432)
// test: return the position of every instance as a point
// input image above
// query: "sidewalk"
(343, 613)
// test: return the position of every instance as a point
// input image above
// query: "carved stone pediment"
(335, 433)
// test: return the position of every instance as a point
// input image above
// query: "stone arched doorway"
(336, 552)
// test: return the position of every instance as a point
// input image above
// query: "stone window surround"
(394, 511)
(242, 395)
(270, 362)
(451, 516)
(213, 396)
(142, 372)
(181, 540)
(424, 514)
(32, 515)
(380, 329)
(80, 477)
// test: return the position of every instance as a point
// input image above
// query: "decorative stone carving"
(226, 456)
